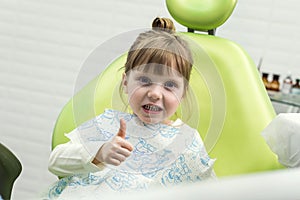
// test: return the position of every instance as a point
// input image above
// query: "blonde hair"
(160, 46)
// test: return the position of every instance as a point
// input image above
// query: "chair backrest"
(10, 169)
(233, 104)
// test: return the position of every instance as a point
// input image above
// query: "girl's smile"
(150, 108)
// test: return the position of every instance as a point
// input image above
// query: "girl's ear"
(124, 83)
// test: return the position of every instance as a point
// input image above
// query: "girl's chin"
(153, 120)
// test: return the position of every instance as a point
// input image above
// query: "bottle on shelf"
(296, 87)
(265, 80)
(287, 84)
(274, 84)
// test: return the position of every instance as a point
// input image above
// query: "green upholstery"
(10, 169)
(201, 15)
(243, 108)
(240, 148)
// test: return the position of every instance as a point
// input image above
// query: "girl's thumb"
(122, 130)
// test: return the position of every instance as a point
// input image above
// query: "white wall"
(44, 43)
(268, 29)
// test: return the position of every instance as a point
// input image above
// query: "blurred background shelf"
(285, 103)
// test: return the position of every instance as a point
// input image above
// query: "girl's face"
(154, 97)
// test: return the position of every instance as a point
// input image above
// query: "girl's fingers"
(126, 145)
(125, 152)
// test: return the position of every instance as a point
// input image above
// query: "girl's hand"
(115, 151)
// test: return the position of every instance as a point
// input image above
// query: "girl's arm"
(72, 158)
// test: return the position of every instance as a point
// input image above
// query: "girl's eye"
(170, 85)
(144, 80)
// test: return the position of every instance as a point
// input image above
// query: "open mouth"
(152, 108)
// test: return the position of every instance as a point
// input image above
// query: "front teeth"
(151, 108)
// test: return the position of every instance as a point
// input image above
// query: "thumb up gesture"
(115, 151)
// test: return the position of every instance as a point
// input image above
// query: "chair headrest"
(201, 15)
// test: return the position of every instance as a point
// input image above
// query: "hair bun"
(163, 23)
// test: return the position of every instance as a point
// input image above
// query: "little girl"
(118, 151)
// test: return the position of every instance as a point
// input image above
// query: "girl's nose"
(155, 92)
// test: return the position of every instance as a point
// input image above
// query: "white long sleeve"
(72, 158)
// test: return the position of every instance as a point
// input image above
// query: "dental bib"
(163, 155)
(155, 145)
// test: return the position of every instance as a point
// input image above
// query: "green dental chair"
(231, 114)
(10, 169)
